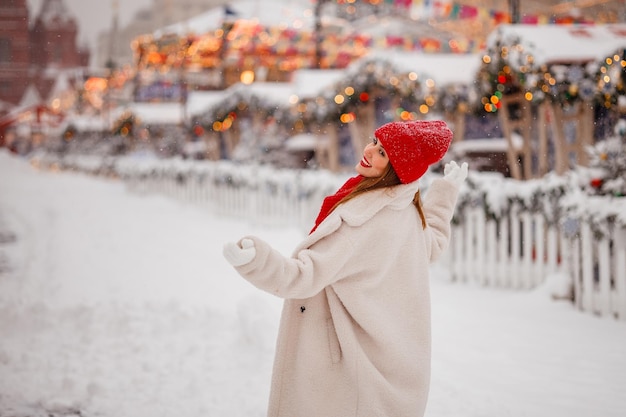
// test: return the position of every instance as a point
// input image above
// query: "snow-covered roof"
(391, 25)
(294, 13)
(563, 43)
(304, 142)
(200, 24)
(86, 123)
(153, 113)
(199, 101)
(276, 93)
(444, 69)
(309, 83)
(54, 11)
(31, 97)
(61, 85)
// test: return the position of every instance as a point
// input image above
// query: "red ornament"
(596, 182)
(198, 130)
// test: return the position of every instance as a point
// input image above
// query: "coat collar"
(359, 210)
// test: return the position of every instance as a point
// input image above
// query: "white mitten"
(241, 253)
(454, 173)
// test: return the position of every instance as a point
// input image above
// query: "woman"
(354, 338)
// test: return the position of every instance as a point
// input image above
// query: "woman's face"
(374, 160)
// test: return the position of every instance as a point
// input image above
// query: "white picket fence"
(260, 195)
(517, 249)
(521, 250)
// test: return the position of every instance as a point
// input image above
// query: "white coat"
(354, 337)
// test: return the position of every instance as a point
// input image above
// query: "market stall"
(549, 84)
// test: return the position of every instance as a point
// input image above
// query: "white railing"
(259, 194)
(511, 252)
(521, 251)
(598, 267)
(505, 234)
(543, 231)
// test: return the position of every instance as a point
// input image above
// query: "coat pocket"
(333, 342)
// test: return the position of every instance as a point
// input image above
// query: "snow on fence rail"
(506, 233)
(259, 194)
(517, 235)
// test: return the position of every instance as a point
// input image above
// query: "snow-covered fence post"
(598, 268)
(458, 247)
(527, 243)
(586, 284)
(552, 249)
(604, 298)
(539, 258)
(619, 256)
(162, 183)
(458, 253)
(167, 181)
(470, 248)
(516, 238)
(573, 265)
(193, 180)
(466, 273)
(503, 250)
(249, 194)
(479, 256)
(204, 186)
(192, 183)
(491, 249)
(243, 195)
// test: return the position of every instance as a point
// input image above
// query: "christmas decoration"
(239, 99)
(510, 65)
(125, 124)
(608, 164)
(364, 81)
(611, 79)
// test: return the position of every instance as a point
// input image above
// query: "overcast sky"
(94, 16)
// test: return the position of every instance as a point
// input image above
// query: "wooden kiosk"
(545, 82)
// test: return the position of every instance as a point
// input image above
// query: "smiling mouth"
(365, 163)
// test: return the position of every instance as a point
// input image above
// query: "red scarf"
(331, 200)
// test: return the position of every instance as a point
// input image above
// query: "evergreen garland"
(608, 164)
(240, 99)
(362, 83)
(125, 124)
(509, 66)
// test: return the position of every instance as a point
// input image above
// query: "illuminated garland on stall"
(509, 66)
(221, 116)
(362, 83)
(455, 98)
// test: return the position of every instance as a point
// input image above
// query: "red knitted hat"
(413, 146)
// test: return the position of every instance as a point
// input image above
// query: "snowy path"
(121, 305)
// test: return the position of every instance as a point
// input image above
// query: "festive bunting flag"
(530, 20)
(403, 3)
(468, 12)
(455, 11)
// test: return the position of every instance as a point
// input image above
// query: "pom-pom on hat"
(413, 146)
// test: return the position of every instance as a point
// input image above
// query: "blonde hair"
(389, 178)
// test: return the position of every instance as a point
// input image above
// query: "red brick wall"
(55, 45)
(14, 50)
(25, 53)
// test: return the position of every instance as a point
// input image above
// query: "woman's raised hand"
(454, 173)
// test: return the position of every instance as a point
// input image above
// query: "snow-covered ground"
(119, 305)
